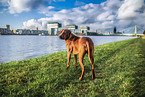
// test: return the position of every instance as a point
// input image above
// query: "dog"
(80, 46)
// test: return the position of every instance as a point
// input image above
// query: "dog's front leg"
(75, 56)
(68, 58)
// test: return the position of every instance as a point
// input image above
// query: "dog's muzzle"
(60, 37)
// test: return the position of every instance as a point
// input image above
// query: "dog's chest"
(72, 47)
(75, 48)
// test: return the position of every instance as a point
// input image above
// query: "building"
(84, 29)
(53, 28)
(30, 32)
(19, 31)
(44, 32)
(35, 32)
(5, 30)
(23, 31)
(8, 27)
(71, 27)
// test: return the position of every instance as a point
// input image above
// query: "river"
(24, 47)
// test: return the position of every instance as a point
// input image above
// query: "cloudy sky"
(98, 14)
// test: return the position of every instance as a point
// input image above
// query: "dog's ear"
(67, 34)
(70, 35)
(60, 32)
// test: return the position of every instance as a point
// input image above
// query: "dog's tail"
(88, 46)
(90, 53)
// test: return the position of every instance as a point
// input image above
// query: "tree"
(114, 30)
(144, 32)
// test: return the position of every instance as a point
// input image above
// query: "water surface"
(24, 47)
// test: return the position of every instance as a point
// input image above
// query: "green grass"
(119, 67)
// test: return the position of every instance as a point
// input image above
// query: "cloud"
(84, 15)
(58, 0)
(131, 9)
(46, 10)
(104, 16)
(98, 16)
(112, 5)
(3, 6)
(31, 24)
(4, 2)
(18, 6)
(40, 23)
(132, 13)
(78, 3)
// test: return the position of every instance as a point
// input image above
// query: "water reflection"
(24, 47)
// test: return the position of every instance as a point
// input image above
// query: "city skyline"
(96, 14)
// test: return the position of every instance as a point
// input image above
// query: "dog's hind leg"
(68, 59)
(75, 56)
(81, 56)
(91, 58)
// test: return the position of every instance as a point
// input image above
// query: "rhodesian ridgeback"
(80, 46)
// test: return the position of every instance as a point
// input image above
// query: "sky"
(97, 14)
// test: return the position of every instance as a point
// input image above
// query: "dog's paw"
(76, 66)
(93, 77)
(80, 78)
(67, 67)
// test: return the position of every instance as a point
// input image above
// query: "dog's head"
(64, 34)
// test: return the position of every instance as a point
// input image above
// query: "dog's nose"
(60, 37)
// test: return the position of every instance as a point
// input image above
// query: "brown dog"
(78, 45)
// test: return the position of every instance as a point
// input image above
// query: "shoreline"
(79, 34)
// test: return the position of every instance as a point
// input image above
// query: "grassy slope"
(119, 67)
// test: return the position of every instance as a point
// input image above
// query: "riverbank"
(119, 68)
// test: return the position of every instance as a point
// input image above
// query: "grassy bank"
(119, 67)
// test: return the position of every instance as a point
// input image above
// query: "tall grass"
(119, 67)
